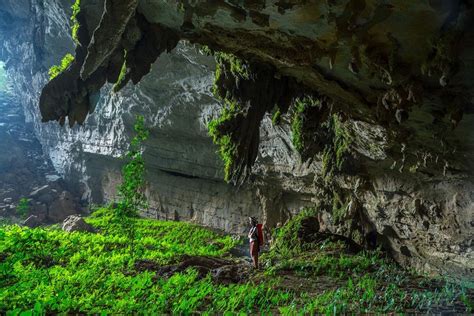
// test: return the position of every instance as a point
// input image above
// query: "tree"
(131, 191)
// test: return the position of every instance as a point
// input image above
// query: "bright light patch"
(3, 77)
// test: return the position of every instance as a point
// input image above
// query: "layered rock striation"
(361, 109)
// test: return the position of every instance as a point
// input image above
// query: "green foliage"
(334, 153)
(205, 50)
(339, 207)
(227, 148)
(23, 207)
(76, 8)
(299, 119)
(131, 191)
(54, 71)
(286, 238)
(57, 272)
(276, 118)
(238, 67)
(46, 270)
(123, 74)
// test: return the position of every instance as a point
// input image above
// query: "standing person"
(254, 241)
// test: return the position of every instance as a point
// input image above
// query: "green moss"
(76, 8)
(287, 241)
(238, 67)
(123, 74)
(54, 71)
(227, 148)
(299, 118)
(339, 207)
(276, 118)
(205, 50)
(334, 153)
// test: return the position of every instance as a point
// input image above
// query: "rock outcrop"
(75, 223)
(362, 109)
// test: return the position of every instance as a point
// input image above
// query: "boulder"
(62, 207)
(40, 210)
(32, 221)
(75, 223)
(46, 198)
(40, 191)
(8, 200)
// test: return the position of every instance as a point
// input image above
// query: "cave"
(357, 114)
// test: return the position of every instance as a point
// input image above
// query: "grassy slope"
(50, 270)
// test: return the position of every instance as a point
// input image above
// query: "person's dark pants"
(254, 249)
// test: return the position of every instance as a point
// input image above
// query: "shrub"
(23, 207)
(131, 191)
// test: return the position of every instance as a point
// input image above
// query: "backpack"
(260, 234)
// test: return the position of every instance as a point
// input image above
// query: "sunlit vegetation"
(121, 81)
(76, 8)
(131, 191)
(49, 270)
(55, 70)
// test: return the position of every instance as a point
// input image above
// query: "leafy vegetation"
(76, 8)
(44, 270)
(23, 207)
(131, 191)
(334, 153)
(54, 71)
(51, 270)
(299, 119)
(238, 67)
(276, 117)
(227, 148)
(363, 282)
(121, 81)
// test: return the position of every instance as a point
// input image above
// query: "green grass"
(46, 270)
(55, 70)
(365, 282)
(87, 272)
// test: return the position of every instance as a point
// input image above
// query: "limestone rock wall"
(410, 184)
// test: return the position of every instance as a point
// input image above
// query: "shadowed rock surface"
(398, 76)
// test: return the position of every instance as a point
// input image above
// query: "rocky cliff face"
(371, 105)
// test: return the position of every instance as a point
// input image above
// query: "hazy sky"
(2, 77)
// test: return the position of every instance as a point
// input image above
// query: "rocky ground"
(25, 173)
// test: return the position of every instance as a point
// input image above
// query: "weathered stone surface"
(408, 108)
(62, 207)
(75, 223)
(32, 222)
